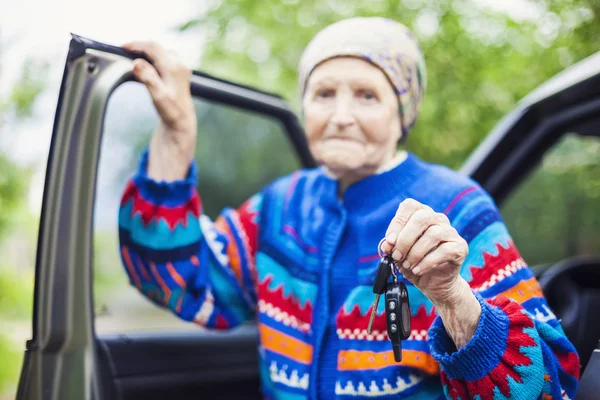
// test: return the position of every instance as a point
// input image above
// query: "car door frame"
(567, 103)
(61, 358)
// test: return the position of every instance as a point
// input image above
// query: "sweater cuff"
(176, 191)
(483, 352)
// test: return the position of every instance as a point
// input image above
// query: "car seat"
(572, 289)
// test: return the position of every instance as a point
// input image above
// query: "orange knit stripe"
(144, 271)
(524, 290)
(179, 303)
(355, 360)
(161, 283)
(130, 268)
(285, 345)
(175, 275)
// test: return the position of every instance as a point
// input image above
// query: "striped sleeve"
(519, 350)
(203, 271)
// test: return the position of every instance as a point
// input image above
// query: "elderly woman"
(301, 255)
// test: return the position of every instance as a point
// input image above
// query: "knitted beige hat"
(385, 43)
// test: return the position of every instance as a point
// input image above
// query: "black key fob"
(397, 311)
(384, 270)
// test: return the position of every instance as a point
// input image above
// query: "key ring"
(393, 269)
(393, 265)
(379, 251)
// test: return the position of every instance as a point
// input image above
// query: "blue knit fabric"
(303, 262)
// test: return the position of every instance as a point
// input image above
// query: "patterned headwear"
(387, 44)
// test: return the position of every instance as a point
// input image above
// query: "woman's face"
(352, 118)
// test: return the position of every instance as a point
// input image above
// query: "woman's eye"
(324, 94)
(368, 95)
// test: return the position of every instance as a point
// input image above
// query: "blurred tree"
(16, 286)
(12, 190)
(481, 60)
(554, 213)
(17, 105)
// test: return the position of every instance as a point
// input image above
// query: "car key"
(397, 312)
(380, 285)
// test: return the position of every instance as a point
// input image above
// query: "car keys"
(397, 312)
(397, 308)
(380, 285)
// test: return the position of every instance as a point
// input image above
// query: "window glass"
(554, 214)
(238, 152)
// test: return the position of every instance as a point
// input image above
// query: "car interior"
(70, 353)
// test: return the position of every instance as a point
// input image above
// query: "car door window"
(553, 214)
(238, 152)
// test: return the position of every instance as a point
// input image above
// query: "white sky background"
(40, 29)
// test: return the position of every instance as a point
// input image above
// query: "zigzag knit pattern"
(302, 262)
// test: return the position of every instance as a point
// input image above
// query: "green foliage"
(480, 62)
(16, 294)
(12, 192)
(18, 105)
(16, 302)
(20, 100)
(9, 368)
(553, 215)
(233, 164)
(16, 286)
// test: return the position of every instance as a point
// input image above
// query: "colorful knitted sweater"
(301, 262)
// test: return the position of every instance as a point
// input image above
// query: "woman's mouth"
(343, 139)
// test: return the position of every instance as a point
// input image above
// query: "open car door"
(73, 355)
(541, 164)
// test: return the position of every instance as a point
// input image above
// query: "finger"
(152, 49)
(418, 223)
(409, 275)
(147, 74)
(405, 210)
(155, 52)
(448, 252)
(386, 247)
(431, 239)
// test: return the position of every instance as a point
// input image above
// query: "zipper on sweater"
(332, 241)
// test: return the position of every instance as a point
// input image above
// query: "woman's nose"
(342, 117)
